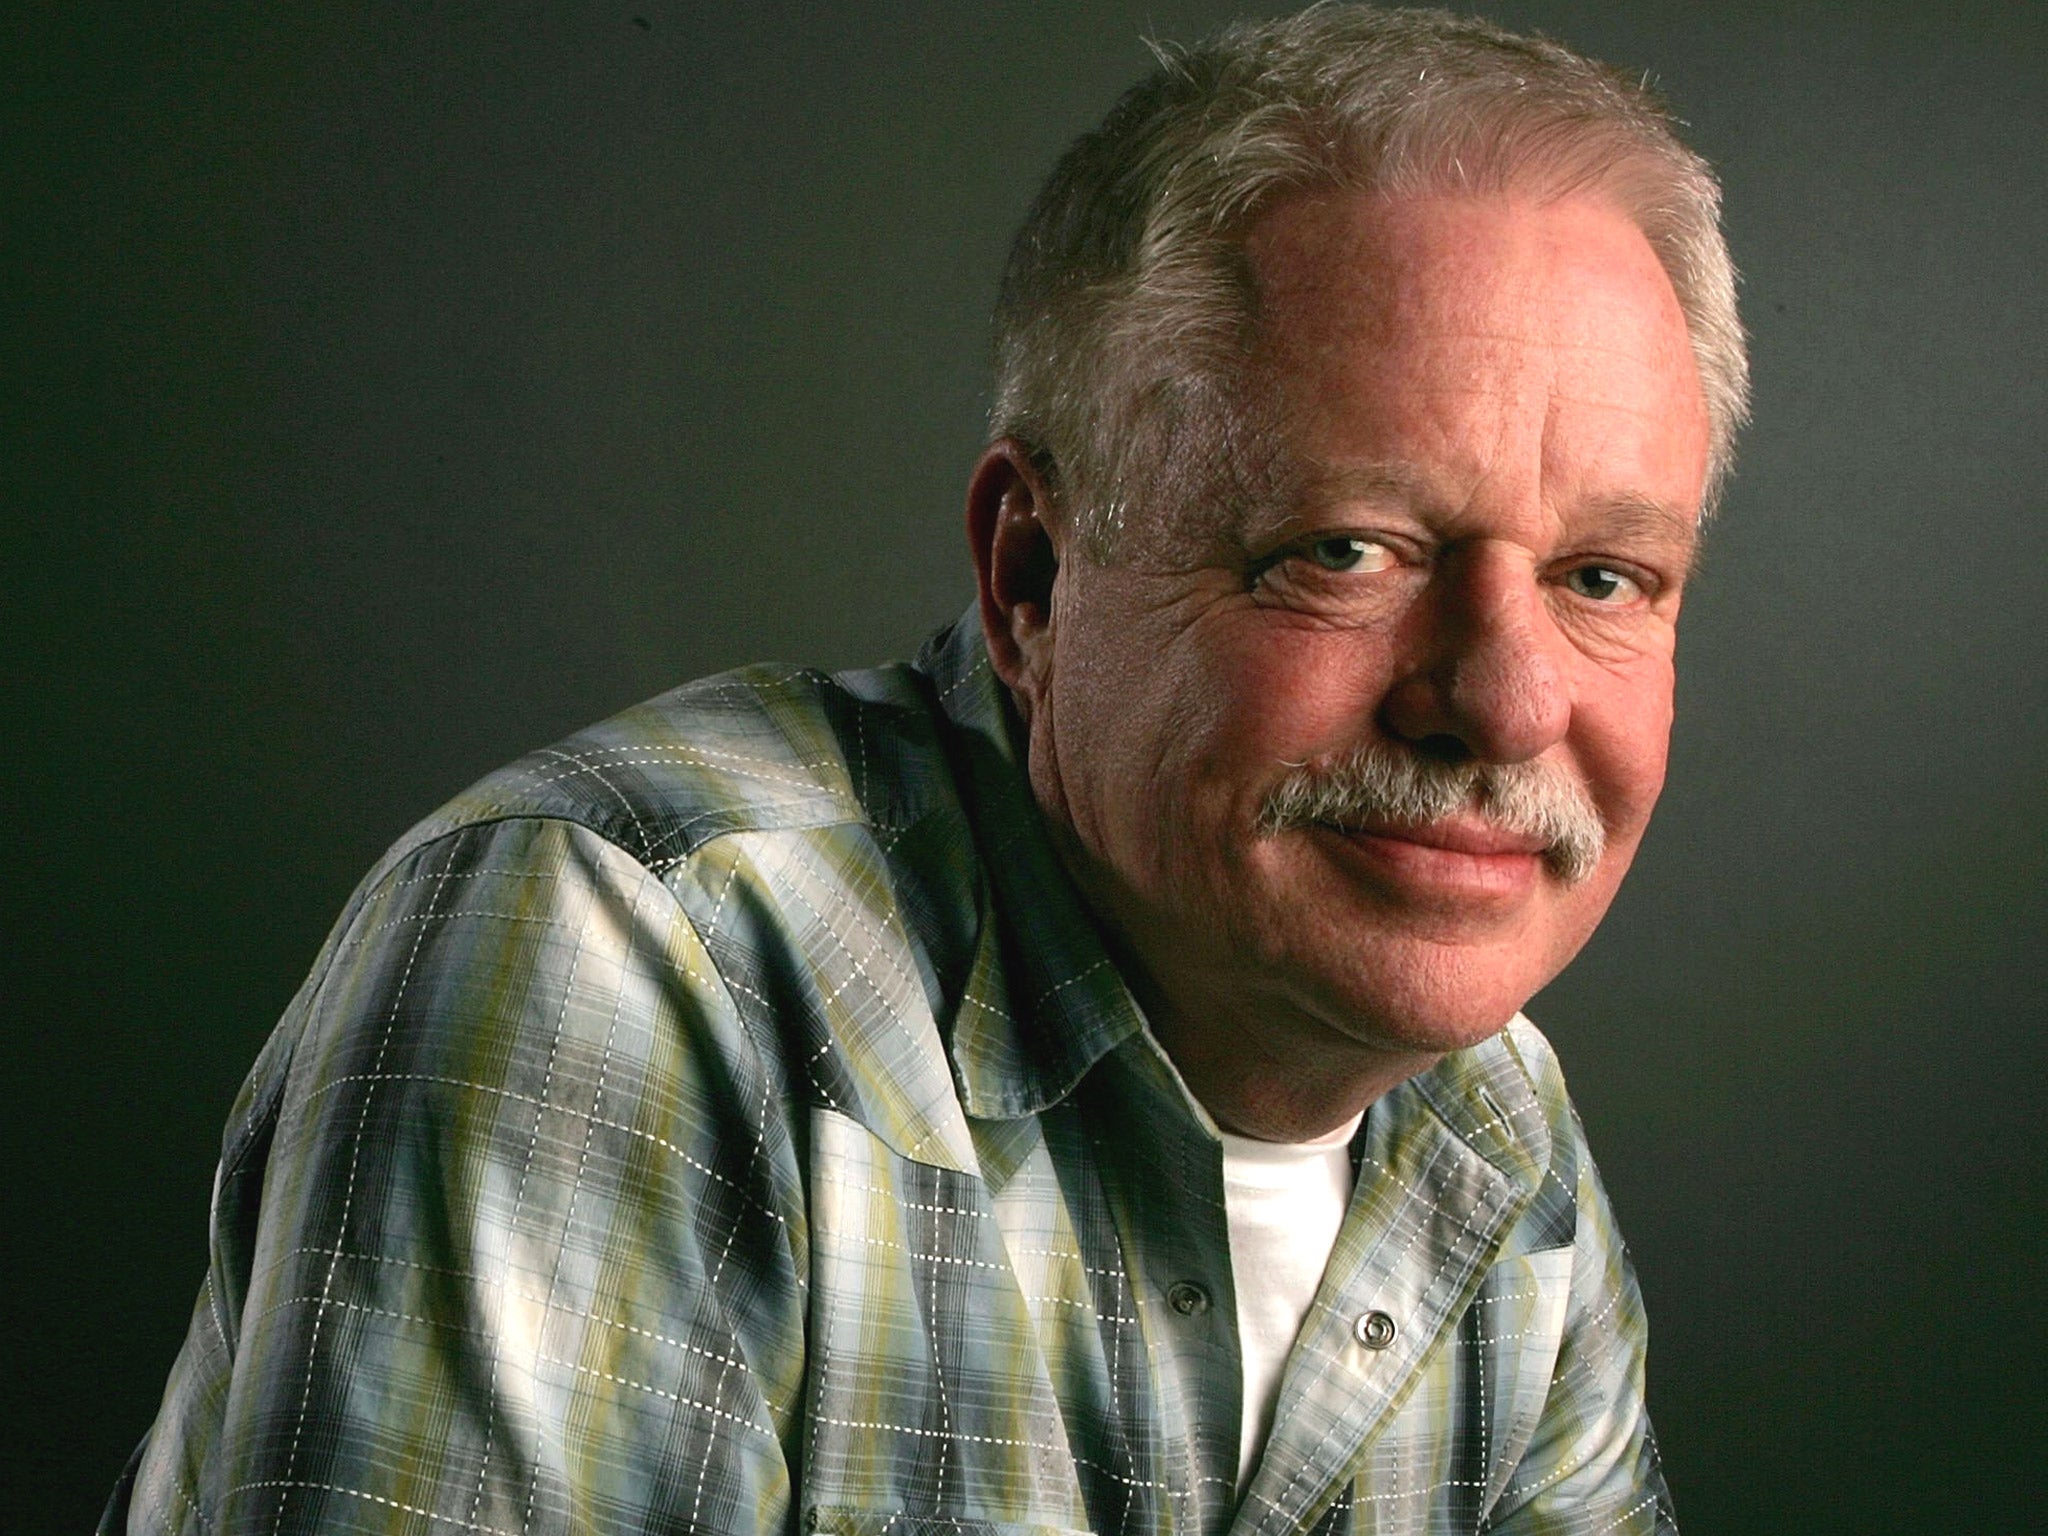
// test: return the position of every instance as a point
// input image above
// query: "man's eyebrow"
(1638, 518)
(1374, 481)
(1304, 495)
(1645, 519)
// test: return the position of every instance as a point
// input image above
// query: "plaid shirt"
(729, 1120)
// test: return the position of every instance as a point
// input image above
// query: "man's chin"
(1440, 947)
(1423, 1031)
(1411, 994)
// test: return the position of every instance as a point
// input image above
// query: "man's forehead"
(1466, 272)
(1410, 350)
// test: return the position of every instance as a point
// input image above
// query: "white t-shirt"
(1285, 1202)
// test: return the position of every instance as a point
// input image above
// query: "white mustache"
(1377, 783)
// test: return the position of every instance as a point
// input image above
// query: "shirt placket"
(1163, 1175)
(1426, 1221)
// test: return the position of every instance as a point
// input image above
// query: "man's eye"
(1347, 552)
(1602, 583)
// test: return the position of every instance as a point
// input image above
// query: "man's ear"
(1016, 541)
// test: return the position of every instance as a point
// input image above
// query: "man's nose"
(1488, 677)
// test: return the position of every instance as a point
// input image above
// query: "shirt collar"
(1488, 1096)
(1043, 1001)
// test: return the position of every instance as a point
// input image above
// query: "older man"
(1073, 1082)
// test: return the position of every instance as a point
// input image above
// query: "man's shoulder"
(468, 956)
(763, 748)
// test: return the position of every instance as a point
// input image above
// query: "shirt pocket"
(928, 1404)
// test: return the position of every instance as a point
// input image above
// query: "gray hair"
(1379, 784)
(1127, 307)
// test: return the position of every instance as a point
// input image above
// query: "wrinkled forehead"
(1498, 275)
(1460, 337)
(1390, 339)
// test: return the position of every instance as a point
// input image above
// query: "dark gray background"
(400, 387)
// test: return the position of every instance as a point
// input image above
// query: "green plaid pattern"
(729, 1121)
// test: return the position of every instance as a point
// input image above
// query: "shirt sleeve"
(1591, 1468)
(509, 1234)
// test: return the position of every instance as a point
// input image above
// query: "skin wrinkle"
(1510, 383)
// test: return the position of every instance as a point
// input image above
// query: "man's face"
(1491, 444)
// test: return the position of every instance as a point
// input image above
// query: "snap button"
(1187, 1298)
(1375, 1330)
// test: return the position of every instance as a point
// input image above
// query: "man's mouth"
(1458, 862)
(1467, 835)
(1416, 808)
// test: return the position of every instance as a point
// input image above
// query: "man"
(1074, 1082)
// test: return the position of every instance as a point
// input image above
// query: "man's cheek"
(1292, 699)
(1621, 732)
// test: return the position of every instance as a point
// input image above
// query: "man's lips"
(1459, 860)
(1455, 835)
